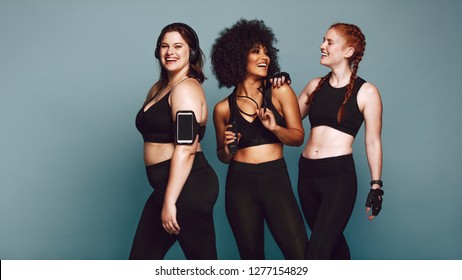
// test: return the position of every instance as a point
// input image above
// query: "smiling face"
(258, 61)
(174, 52)
(334, 49)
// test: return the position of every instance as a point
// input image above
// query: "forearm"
(223, 156)
(289, 136)
(374, 158)
(180, 168)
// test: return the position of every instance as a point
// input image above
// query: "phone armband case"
(186, 127)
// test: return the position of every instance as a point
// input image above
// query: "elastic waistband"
(258, 167)
(327, 159)
(326, 167)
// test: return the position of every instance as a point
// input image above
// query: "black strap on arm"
(197, 129)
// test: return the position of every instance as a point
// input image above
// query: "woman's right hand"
(168, 218)
(229, 137)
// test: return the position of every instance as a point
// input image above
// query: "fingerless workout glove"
(374, 201)
(280, 75)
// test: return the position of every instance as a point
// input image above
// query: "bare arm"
(373, 123)
(186, 96)
(305, 94)
(369, 99)
(223, 137)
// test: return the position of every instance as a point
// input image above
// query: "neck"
(340, 77)
(249, 87)
(174, 78)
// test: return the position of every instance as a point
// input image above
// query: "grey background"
(73, 74)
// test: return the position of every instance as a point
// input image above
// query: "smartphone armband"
(186, 128)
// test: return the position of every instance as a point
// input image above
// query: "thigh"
(151, 240)
(333, 214)
(310, 200)
(195, 215)
(244, 214)
(200, 192)
(197, 236)
(283, 215)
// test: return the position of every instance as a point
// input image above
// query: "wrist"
(375, 184)
(169, 202)
(276, 129)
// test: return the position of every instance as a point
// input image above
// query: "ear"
(349, 52)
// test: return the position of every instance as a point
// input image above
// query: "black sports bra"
(327, 102)
(254, 133)
(156, 123)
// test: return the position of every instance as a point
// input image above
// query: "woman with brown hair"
(185, 186)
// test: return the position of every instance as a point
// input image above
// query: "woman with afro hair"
(259, 120)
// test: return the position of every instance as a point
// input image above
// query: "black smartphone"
(185, 127)
(233, 146)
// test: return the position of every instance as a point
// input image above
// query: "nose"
(169, 50)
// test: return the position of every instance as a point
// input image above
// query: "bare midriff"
(260, 153)
(159, 152)
(325, 142)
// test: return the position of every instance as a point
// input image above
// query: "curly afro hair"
(230, 50)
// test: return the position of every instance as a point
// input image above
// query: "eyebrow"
(177, 43)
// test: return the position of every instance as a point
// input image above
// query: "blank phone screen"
(185, 127)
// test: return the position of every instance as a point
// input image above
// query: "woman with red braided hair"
(337, 104)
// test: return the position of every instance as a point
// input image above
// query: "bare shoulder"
(154, 88)
(283, 90)
(368, 88)
(310, 86)
(369, 96)
(189, 88)
(368, 91)
(222, 107)
(314, 82)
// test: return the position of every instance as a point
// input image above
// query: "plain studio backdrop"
(73, 75)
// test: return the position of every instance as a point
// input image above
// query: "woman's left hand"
(374, 202)
(267, 119)
(168, 218)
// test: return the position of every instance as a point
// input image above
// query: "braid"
(341, 111)
(318, 87)
(356, 39)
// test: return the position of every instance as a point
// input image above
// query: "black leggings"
(258, 192)
(194, 214)
(327, 191)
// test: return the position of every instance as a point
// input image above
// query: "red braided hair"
(354, 38)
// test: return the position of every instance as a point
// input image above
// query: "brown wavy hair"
(196, 64)
(354, 38)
